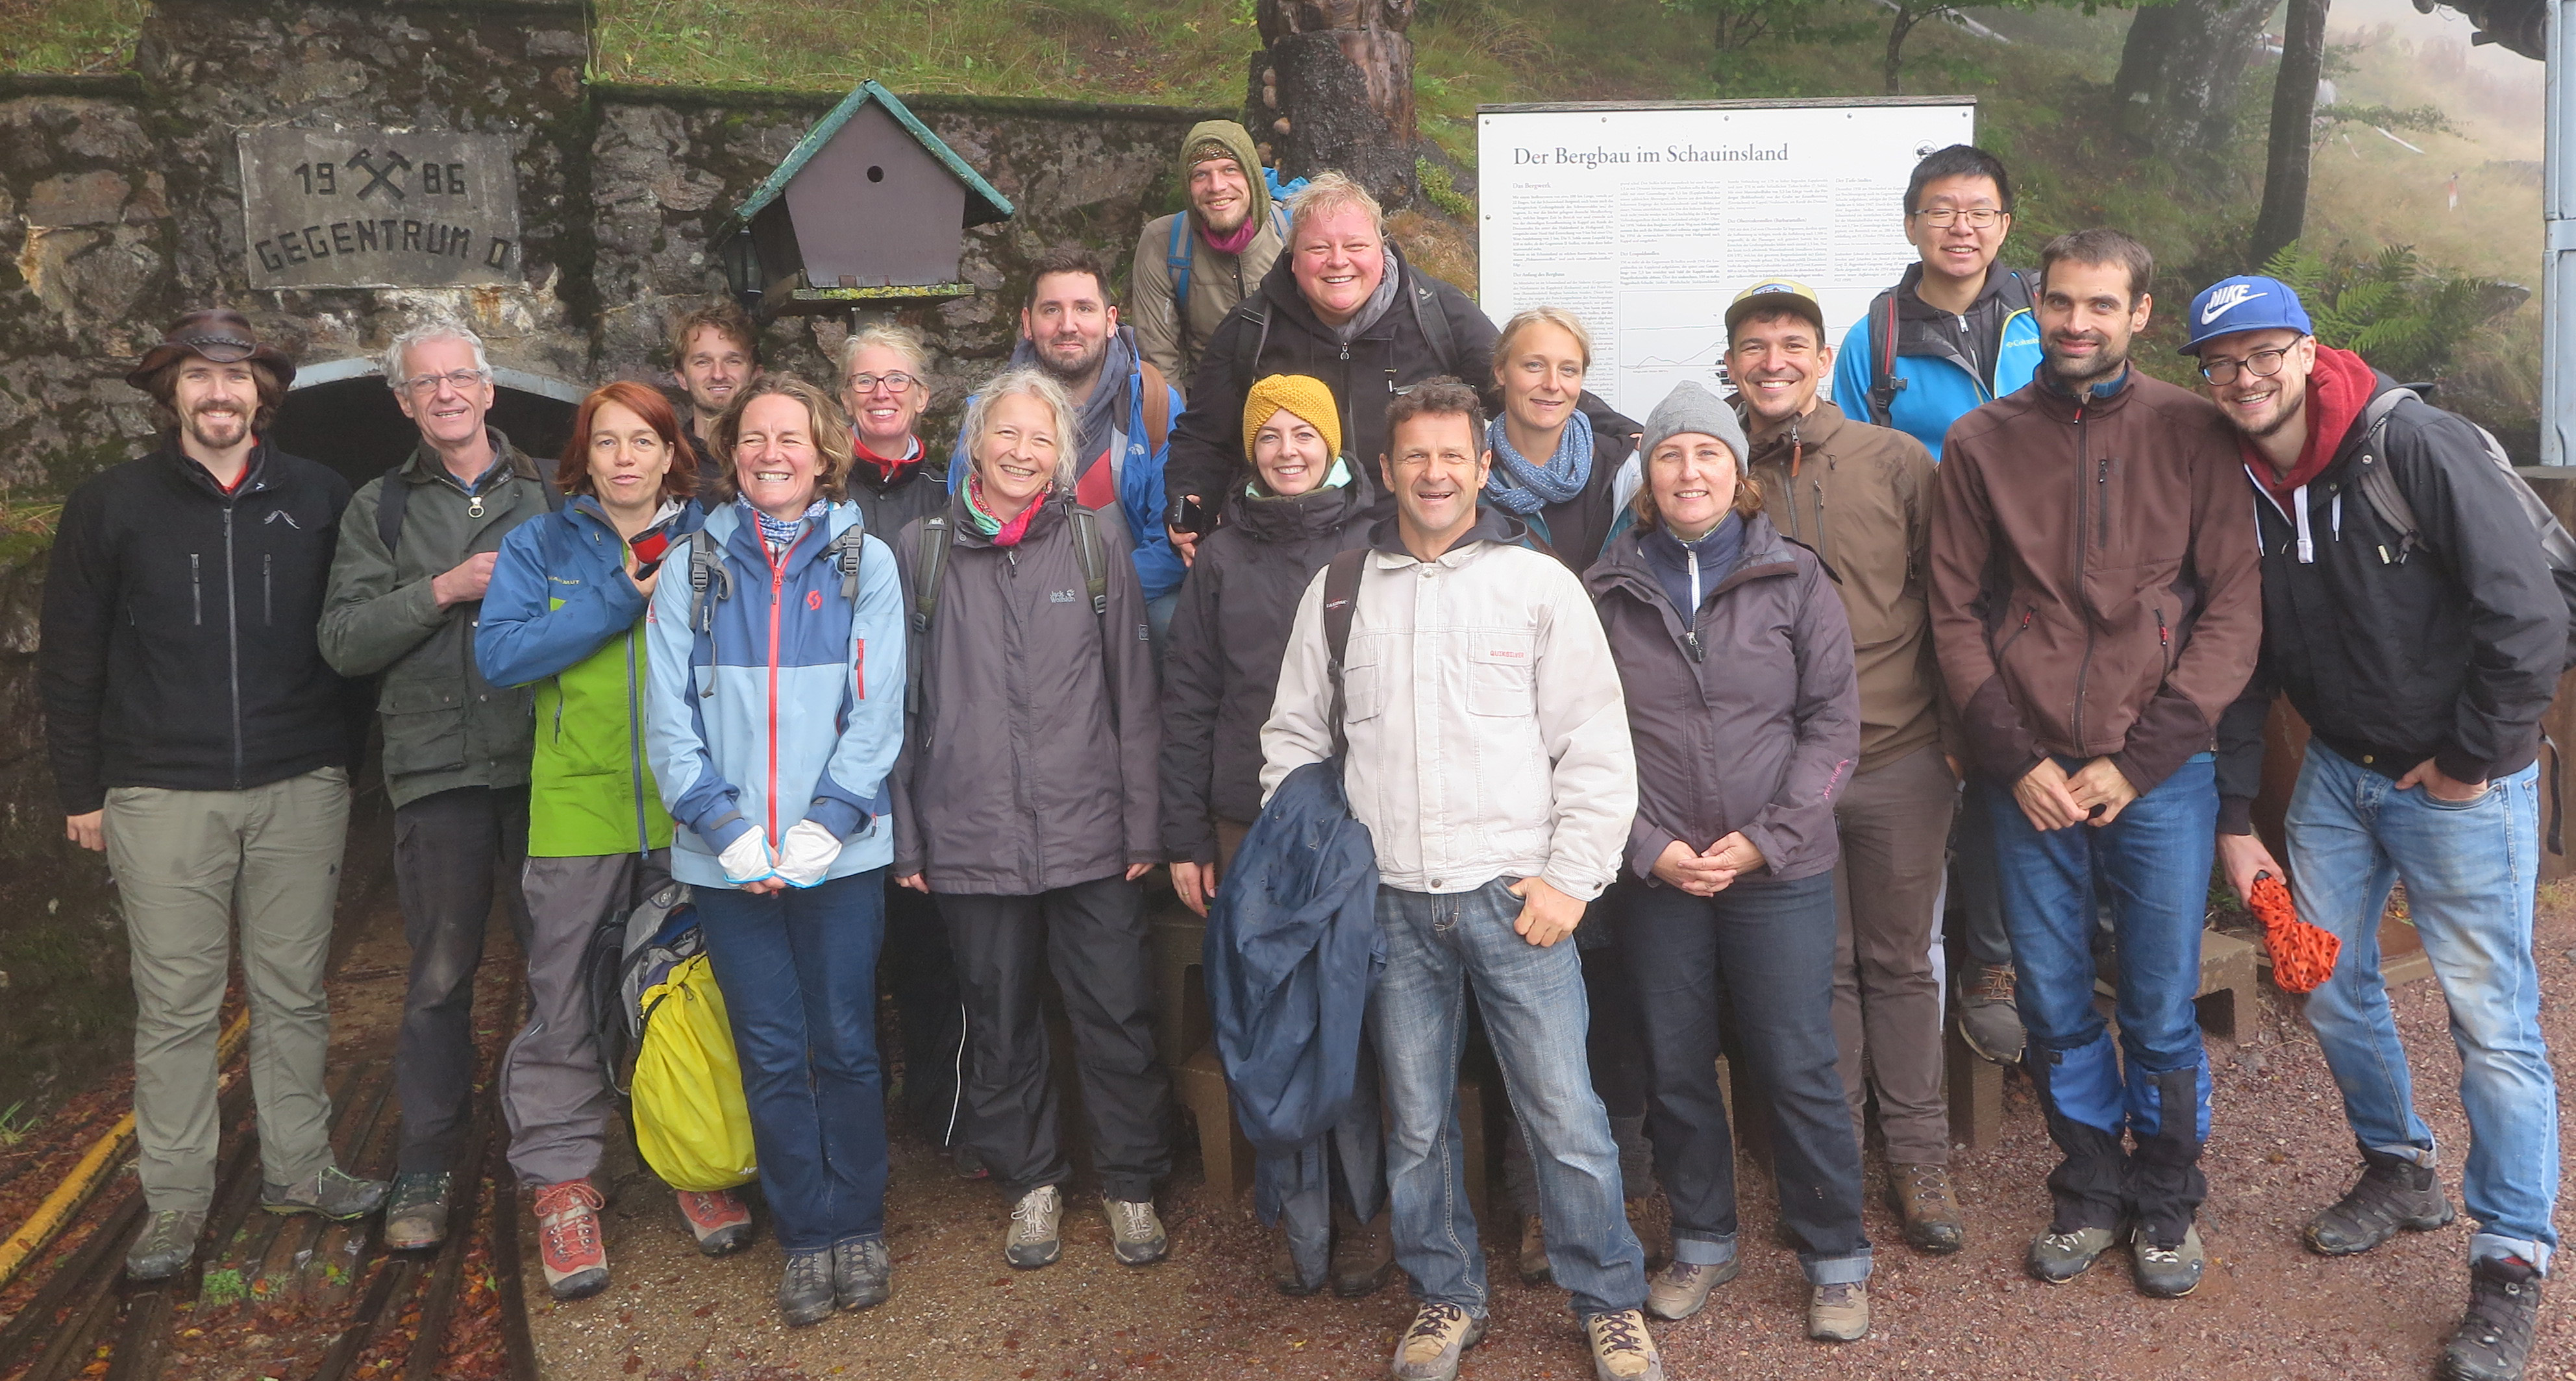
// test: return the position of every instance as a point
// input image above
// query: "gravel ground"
(2267, 1309)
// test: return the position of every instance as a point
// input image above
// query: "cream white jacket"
(1488, 736)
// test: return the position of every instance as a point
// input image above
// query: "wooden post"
(1334, 89)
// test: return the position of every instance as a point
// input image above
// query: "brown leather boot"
(1653, 1233)
(1363, 1253)
(1921, 1195)
(1534, 1267)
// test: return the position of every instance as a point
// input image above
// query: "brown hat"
(218, 333)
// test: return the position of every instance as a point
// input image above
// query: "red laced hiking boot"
(568, 1239)
(720, 1221)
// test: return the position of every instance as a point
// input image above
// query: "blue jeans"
(798, 969)
(2154, 861)
(2469, 872)
(1761, 953)
(1531, 998)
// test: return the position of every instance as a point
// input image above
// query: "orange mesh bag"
(2303, 955)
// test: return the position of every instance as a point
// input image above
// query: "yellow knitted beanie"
(1311, 399)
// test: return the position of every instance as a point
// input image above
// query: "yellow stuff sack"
(691, 1122)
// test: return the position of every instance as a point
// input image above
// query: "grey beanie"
(1691, 408)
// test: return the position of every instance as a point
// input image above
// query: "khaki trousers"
(185, 863)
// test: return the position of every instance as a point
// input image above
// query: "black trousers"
(454, 854)
(915, 971)
(1092, 937)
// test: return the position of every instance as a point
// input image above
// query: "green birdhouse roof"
(983, 204)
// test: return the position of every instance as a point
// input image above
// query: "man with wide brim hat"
(201, 742)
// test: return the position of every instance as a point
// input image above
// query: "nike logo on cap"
(2228, 299)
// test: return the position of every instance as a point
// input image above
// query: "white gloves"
(806, 853)
(747, 859)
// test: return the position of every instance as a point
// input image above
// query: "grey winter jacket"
(1746, 720)
(445, 726)
(1029, 762)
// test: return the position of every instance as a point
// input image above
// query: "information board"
(1645, 220)
(374, 208)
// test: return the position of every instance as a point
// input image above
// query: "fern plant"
(2405, 319)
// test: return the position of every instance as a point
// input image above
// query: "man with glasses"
(2421, 638)
(1954, 333)
(417, 546)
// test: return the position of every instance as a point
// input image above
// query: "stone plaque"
(369, 208)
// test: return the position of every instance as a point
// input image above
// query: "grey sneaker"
(2391, 1195)
(2058, 1257)
(330, 1192)
(1034, 1240)
(2168, 1272)
(163, 1248)
(1681, 1289)
(1429, 1350)
(861, 1274)
(1621, 1348)
(805, 1291)
(1135, 1233)
(1838, 1313)
(416, 1214)
(1988, 1017)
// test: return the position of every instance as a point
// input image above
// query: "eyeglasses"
(2262, 363)
(1977, 217)
(426, 385)
(894, 383)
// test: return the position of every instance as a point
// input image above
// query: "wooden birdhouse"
(869, 207)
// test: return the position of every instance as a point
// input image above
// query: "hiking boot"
(1922, 1197)
(969, 1165)
(416, 1213)
(2168, 1272)
(1621, 1348)
(718, 1218)
(568, 1242)
(1987, 1016)
(861, 1274)
(2392, 1194)
(164, 1247)
(1034, 1240)
(1429, 1350)
(1285, 1275)
(1681, 1289)
(1135, 1232)
(1655, 1239)
(805, 1291)
(1838, 1313)
(2493, 1340)
(328, 1192)
(1363, 1254)
(2058, 1257)
(1533, 1263)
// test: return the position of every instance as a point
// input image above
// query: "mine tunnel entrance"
(348, 419)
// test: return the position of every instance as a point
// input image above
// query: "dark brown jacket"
(1030, 764)
(2094, 588)
(1861, 496)
(1746, 719)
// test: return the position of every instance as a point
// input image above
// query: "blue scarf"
(1522, 489)
(778, 534)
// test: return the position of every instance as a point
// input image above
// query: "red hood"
(2338, 389)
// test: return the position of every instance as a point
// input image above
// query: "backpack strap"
(1341, 606)
(929, 566)
(1086, 548)
(1158, 405)
(707, 577)
(1884, 383)
(392, 498)
(845, 549)
(1177, 257)
(1434, 323)
(2378, 485)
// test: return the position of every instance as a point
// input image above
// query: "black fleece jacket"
(178, 644)
(2451, 654)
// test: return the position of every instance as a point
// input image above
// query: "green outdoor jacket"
(445, 726)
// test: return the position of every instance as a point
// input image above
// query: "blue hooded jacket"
(783, 701)
(1943, 381)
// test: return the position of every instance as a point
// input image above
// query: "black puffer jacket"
(1274, 331)
(1221, 664)
(1746, 720)
(2451, 654)
(178, 645)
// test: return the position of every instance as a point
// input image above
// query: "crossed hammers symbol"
(364, 159)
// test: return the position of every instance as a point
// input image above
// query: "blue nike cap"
(2247, 302)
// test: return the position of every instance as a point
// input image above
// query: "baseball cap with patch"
(1775, 295)
(2247, 302)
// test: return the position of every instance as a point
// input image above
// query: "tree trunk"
(2294, 109)
(1897, 29)
(2181, 69)
(1334, 90)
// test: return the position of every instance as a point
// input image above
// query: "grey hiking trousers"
(551, 1088)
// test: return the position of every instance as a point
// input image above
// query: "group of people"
(1670, 739)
